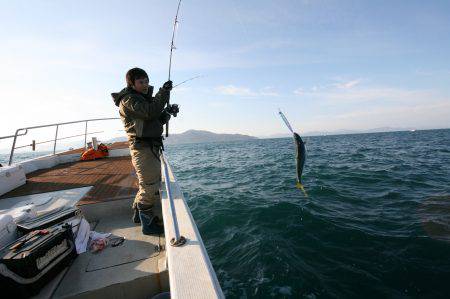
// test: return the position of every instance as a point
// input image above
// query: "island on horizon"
(196, 136)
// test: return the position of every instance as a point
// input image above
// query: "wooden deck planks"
(112, 178)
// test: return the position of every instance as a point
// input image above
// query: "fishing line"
(199, 76)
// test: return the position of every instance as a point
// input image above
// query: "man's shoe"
(149, 223)
(136, 218)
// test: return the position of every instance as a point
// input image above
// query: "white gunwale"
(191, 274)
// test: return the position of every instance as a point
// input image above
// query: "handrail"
(19, 133)
(178, 240)
(67, 137)
(11, 136)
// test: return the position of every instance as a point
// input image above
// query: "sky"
(328, 65)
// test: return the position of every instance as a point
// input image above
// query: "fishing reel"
(172, 109)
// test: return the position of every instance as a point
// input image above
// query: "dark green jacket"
(140, 113)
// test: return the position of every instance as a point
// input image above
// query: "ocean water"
(22, 156)
(376, 223)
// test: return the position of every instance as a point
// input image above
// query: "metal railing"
(10, 136)
(24, 131)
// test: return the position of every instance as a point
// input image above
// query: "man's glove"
(168, 85)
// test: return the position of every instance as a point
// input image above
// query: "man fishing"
(143, 117)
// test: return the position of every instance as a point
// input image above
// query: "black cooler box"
(30, 262)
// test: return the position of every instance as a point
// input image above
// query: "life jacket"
(92, 154)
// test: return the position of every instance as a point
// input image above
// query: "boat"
(175, 263)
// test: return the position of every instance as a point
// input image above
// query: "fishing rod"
(172, 47)
(172, 44)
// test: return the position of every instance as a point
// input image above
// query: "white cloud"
(268, 91)
(429, 73)
(311, 90)
(236, 91)
(370, 94)
(341, 85)
(416, 115)
(355, 104)
(232, 90)
(299, 91)
(354, 92)
(348, 84)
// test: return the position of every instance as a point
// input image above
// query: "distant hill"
(340, 132)
(117, 139)
(196, 136)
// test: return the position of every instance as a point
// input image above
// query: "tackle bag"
(8, 230)
(48, 219)
(33, 260)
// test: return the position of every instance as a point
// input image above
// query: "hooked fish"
(300, 153)
(300, 158)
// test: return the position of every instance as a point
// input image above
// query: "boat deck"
(112, 178)
(130, 270)
(104, 190)
(135, 269)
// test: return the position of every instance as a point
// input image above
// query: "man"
(143, 117)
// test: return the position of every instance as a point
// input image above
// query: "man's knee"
(148, 198)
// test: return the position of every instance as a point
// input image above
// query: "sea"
(375, 222)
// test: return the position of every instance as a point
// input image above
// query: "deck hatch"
(136, 247)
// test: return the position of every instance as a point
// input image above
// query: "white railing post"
(13, 147)
(85, 135)
(56, 138)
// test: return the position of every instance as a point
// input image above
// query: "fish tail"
(300, 186)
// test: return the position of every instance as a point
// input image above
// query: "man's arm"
(145, 109)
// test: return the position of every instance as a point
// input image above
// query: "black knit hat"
(135, 74)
